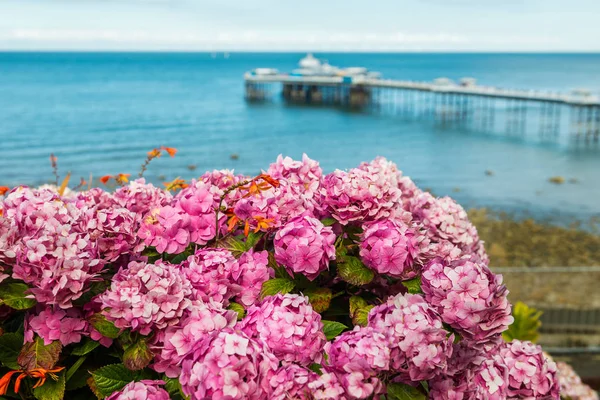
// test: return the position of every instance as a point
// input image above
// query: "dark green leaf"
(353, 271)
(400, 391)
(319, 298)
(10, 346)
(280, 272)
(37, 355)
(235, 245)
(314, 367)
(413, 286)
(277, 285)
(14, 296)
(328, 221)
(179, 258)
(332, 328)
(51, 389)
(71, 371)
(104, 326)
(137, 355)
(173, 386)
(253, 239)
(87, 346)
(111, 378)
(238, 308)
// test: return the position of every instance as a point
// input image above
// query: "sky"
(301, 25)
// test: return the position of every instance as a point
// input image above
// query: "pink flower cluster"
(391, 248)
(146, 297)
(419, 345)
(145, 389)
(228, 365)
(289, 326)
(571, 386)
(291, 382)
(65, 326)
(469, 297)
(305, 246)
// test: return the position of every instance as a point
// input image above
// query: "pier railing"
(485, 108)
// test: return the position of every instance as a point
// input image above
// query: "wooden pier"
(484, 108)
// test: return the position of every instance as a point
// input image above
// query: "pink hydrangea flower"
(327, 387)
(291, 382)
(177, 342)
(199, 202)
(391, 248)
(361, 195)
(141, 197)
(571, 386)
(254, 272)
(228, 365)
(358, 357)
(147, 297)
(262, 206)
(445, 220)
(115, 231)
(50, 247)
(146, 390)
(213, 274)
(469, 297)
(419, 345)
(289, 326)
(304, 245)
(531, 374)
(65, 326)
(166, 229)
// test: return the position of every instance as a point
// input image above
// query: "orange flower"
(53, 159)
(271, 181)
(175, 184)
(3, 190)
(232, 222)
(171, 150)
(263, 223)
(154, 153)
(105, 179)
(122, 178)
(39, 373)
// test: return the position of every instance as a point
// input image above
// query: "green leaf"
(237, 246)
(253, 239)
(173, 387)
(332, 328)
(353, 271)
(359, 310)
(10, 346)
(13, 295)
(88, 346)
(277, 285)
(413, 286)
(319, 298)
(111, 378)
(71, 371)
(51, 389)
(104, 326)
(328, 221)
(526, 324)
(37, 355)
(137, 355)
(280, 272)
(238, 308)
(179, 258)
(400, 391)
(314, 367)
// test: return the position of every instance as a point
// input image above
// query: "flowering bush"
(290, 284)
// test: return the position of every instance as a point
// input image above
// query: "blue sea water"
(100, 113)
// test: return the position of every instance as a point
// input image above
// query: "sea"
(99, 113)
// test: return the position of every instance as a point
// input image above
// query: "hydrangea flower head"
(147, 297)
(145, 389)
(228, 365)
(65, 326)
(291, 382)
(419, 345)
(254, 272)
(469, 297)
(305, 246)
(289, 327)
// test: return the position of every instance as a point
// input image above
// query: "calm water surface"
(100, 113)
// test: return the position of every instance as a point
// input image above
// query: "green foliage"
(400, 391)
(332, 328)
(526, 324)
(353, 271)
(328, 221)
(85, 348)
(413, 285)
(320, 298)
(359, 310)
(14, 296)
(37, 355)
(238, 308)
(238, 245)
(10, 346)
(104, 326)
(277, 285)
(137, 355)
(51, 389)
(111, 378)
